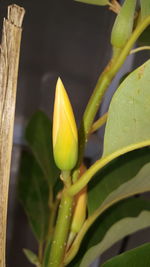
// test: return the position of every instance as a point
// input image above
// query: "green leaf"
(119, 230)
(113, 175)
(144, 38)
(94, 2)
(145, 8)
(139, 184)
(127, 208)
(128, 124)
(139, 256)
(33, 191)
(39, 138)
(32, 257)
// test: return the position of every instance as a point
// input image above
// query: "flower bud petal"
(65, 139)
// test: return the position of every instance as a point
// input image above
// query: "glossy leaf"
(139, 256)
(39, 137)
(128, 117)
(94, 2)
(113, 175)
(32, 257)
(126, 208)
(139, 184)
(144, 38)
(119, 230)
(33, 193)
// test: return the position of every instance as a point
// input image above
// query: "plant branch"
(9, 60)
(138, 49)
(114, 6)
(107, 76)
(40, 252)
(102, 84)
(61, 231)
(99, 123)
(60, 236)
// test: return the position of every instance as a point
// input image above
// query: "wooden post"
(9, 59)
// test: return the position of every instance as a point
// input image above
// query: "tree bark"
(9, 61)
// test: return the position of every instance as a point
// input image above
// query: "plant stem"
(102, 84)
(99, 123)
(40, 252)
(61, 231)
(50, 201)
(65, 176)
(107, 76)
(138, 49)
(114, 6)
(60, 236)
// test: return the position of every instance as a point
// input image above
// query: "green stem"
(40, 252)
(61, 231)
(138, 49)
(99, 123)
(50, 201)
(108, 75)
(65, 176)
(101, 87)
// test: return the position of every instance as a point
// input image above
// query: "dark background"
(60, 38)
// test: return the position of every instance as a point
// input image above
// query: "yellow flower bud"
(123, 25)
(65, 138)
